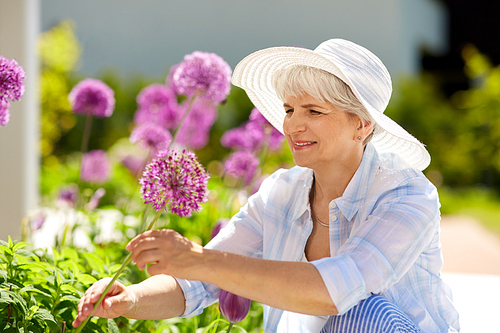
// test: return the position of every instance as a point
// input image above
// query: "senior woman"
(346, 241)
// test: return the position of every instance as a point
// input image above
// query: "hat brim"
(255, 74)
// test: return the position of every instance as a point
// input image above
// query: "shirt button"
(334, 218)
(333, 205)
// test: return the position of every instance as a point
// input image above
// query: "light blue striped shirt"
(384, 239)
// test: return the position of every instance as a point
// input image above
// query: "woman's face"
(319, 135)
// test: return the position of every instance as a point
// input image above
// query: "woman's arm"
(292, 286)
(158, 297)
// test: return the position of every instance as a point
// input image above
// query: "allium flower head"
(177, 180)
(261, 131)
(169, 81)
(151, 136)
(157, 104)
(238, 139)
(194, 132)
(242, 164)
(94, 97)
(68, 195)
(11, 80)
(253, 134)
(96, 167)
(204, 73)
(96, 197)
(38, 220)
(4, 113)
(233, 307)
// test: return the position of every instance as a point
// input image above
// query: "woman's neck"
(330, 183)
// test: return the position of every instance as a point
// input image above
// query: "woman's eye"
(289, 111)
(315, 112)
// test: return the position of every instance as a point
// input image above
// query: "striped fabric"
(372, 315)
(384, 240)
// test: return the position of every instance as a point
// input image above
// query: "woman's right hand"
(118, 301)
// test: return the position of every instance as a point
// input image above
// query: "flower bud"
(233, 307)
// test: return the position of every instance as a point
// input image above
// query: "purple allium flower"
(4, 112)
(253, 134)
(261, 130)
(238, 139)
(242, 164)
(221, 223)
(194, 132)
(96, 167)
(177, 180)
(38, 220)
(152, 137)
(11, 80)
(169, 81)
(233, 307)
(157, 104)
(94, 97)
(96, 197)
(68, 195)
(204, 73)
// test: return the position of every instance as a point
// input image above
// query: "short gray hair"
(323, 86)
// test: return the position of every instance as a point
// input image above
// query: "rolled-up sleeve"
(243, 235)
(383, 247)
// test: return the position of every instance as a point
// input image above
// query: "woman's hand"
(117, 302)
(168, 252)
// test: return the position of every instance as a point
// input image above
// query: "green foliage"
(462, 133)
(39, 292)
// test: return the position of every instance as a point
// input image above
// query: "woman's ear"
(363, 129)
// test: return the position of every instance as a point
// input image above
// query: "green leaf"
(31, 288)
(70, 253)
(19, 245)
(17, 301)
(45, 316)
(10, 243)
(112, 327)
(94, 262)
(86, 279)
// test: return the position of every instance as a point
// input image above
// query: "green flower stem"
(117, 274)
(230, 327)
(176, 132)
(86, 133)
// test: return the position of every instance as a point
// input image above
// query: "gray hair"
(323, 86)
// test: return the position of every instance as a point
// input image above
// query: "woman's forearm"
(158, 297)
(292, 286)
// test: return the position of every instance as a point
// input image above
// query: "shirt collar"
(350, 202)
(355, 192)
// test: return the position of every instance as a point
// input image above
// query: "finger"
(152, 242)
(148, 236)
(130, 246)
(148, 257)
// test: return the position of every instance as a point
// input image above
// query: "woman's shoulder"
(395, 174)
(284, 183)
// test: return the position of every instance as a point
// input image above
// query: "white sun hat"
(359, 68)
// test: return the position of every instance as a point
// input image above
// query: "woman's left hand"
(168, 252)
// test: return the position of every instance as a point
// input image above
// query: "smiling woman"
(347, 238)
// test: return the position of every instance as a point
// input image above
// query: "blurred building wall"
(149, 36)
(19, 163)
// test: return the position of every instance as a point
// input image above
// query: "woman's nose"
(294, 123)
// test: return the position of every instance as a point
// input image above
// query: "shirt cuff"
(194, 292)
(343, 280)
